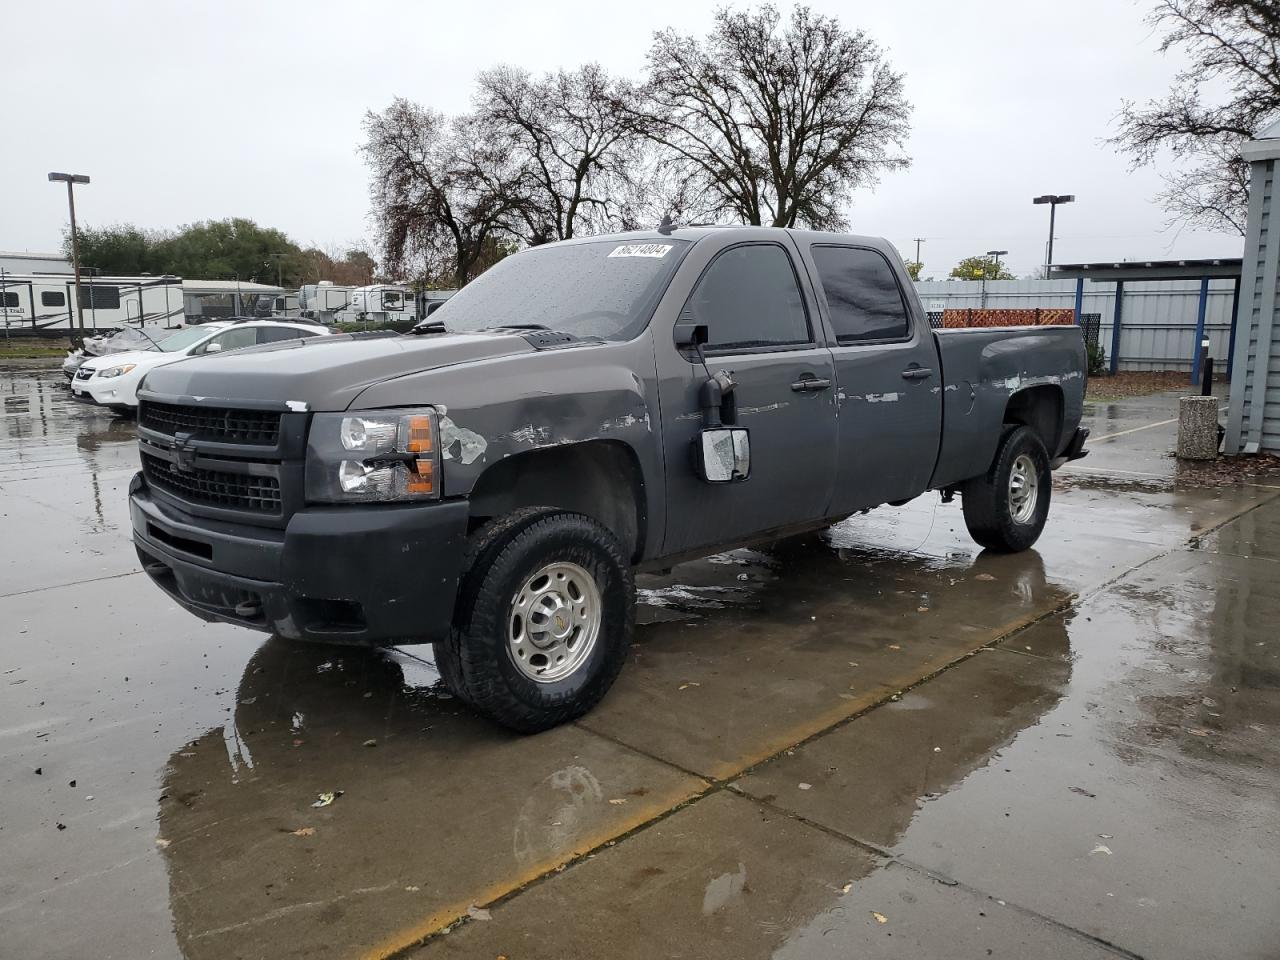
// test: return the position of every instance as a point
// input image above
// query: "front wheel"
(543, 621)
(1006, 508)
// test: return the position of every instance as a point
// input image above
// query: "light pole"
(997, 254)
(71, 179)
(1052, 199)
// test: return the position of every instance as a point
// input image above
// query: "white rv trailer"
(323, 301)
(45, 304)
(381, 303)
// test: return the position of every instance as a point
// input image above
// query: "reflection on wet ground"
(874, 742)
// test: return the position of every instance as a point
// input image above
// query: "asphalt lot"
(874, 743)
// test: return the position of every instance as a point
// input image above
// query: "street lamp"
(71, 179)
(997, 254)
(1052, 199)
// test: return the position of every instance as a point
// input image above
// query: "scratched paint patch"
(459, 443)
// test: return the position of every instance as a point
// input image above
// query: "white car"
(112, 381)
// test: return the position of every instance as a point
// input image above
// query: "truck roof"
(735, 232)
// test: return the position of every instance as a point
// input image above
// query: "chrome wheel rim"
(554, 622)
(1024, 489)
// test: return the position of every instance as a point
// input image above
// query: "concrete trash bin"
(1198, 428)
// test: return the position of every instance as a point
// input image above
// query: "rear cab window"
(749, 298)
(864, 300)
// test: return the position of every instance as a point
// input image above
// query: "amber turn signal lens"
(422, 481)
(420, 439)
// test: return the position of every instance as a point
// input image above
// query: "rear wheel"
(1006, 508)
(543, 621)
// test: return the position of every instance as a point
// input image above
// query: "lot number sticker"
(658, 250)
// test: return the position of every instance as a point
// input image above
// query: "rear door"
(888, 376)
(765, 331)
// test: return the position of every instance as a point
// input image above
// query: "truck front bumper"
(372, 574)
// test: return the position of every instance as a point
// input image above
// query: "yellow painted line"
(443, 916)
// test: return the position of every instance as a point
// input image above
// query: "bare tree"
(1237, 44)
(777, 123)
(575, 135)
(444, 194)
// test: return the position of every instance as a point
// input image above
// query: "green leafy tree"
(233, 248)
(914, 268)
(978, 268)
(121, 250)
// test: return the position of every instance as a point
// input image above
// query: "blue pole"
(1079, 297)
(1115, 327)
(1196, 351)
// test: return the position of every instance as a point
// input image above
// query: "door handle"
(811, 385)
(917, 373)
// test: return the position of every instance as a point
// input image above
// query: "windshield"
(184, 338)
(602, 289)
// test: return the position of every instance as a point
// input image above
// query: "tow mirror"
(690, 334)
(722, 454)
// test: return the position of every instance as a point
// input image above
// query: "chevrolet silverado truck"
(581, 412)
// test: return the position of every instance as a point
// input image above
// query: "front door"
(889, 379)
(763, 331)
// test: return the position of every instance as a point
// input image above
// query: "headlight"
(117, 371)
(373, 455)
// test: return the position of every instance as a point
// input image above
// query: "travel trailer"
(46, 304)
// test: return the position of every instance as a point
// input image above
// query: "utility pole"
(918, 241)
(71, 179)
(1053, 200)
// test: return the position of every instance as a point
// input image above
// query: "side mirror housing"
(213, 346)
(690, 335)
(722, 454)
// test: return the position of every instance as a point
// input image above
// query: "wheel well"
(1039, 408)
(599, 478)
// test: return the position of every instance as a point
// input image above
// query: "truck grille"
(220, 424)
(215, 488)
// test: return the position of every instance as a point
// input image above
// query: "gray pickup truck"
(583, 411)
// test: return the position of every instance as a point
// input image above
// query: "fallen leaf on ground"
(805, 786)
(686, 686)
(161, 842)
(327, 798)
(1197, 732)
(1083, 792)
(922, 609)
(1101, 848)
(984, 576)
(846, 888)
(478, 913)
(371, 743)
(618, 801)
(880, 917)
(894, 646)
(304, 832)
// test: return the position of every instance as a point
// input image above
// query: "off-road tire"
(988, 511)
(475, 662)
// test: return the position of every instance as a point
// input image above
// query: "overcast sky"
(184, 112)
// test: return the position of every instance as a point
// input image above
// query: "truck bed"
(981, 369)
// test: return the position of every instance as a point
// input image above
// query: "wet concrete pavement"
(877, 742)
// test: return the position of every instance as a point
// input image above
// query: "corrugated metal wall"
(1157, 328)
(1253, 423)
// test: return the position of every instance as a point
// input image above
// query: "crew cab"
(583, 411)
(112, 380)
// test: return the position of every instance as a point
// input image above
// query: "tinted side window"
(9, 299)
(276, 334)
(233, 339)
(749, 297)
(99, 298)
(52, 298)
(862, 294)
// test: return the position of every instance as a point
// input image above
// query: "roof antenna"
(666, 226)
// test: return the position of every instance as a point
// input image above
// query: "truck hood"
(325, 373)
